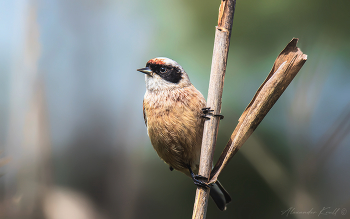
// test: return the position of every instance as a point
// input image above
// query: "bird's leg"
(207, 111)
(171, 168)
(198, 179)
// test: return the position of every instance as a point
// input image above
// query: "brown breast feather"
(175, 126)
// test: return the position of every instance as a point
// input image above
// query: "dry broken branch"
(286, 66)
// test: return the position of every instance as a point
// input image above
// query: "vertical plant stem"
(216, 85)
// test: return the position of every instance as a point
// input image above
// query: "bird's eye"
(162, 70)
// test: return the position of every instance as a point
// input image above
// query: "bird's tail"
(220, 195)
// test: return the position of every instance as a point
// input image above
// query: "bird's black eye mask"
(168, 73)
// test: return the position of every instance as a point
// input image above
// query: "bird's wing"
(144, 112)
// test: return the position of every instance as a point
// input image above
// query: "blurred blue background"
(73, 142)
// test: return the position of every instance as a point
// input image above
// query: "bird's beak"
(146, 70)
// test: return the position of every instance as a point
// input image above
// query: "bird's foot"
(171, 168)
(199, 180)
(209, 112)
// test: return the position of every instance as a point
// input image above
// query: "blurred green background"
(72, 137)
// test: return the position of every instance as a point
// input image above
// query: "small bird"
(174, 112)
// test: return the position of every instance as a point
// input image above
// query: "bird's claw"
(201, 181)
(220, 116)
(207, 111)
(205, 117)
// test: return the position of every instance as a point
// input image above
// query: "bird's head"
(164, 74)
